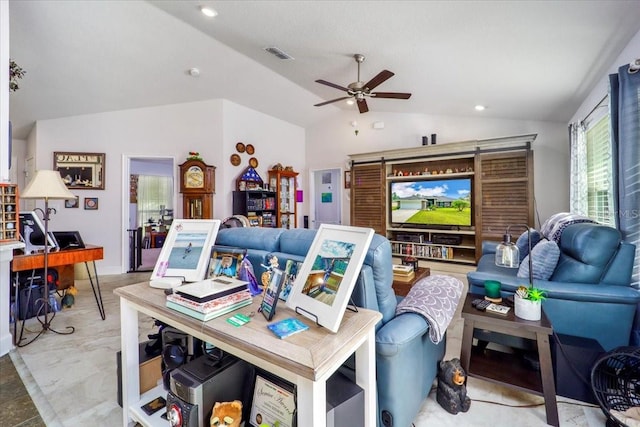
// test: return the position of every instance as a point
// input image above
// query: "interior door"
(327, 197)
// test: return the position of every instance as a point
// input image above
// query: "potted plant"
(528, 302)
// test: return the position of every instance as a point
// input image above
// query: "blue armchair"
(406, 358)
(589, 293)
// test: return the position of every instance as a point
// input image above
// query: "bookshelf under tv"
(434, 245)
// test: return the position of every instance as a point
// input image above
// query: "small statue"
(452, 391)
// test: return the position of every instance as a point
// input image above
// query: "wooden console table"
(306, 359)
(506, 369)
(63, 262)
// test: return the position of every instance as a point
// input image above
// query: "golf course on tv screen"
(431, 202)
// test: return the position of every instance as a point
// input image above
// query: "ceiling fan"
(360, 90)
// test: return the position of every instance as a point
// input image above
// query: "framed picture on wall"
(91, 203)
(329, 273)
(80, 171)
(72, 203)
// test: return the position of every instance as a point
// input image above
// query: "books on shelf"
(209, 289)
(287, 327)
(209, 309)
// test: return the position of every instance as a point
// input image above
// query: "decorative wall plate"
(235, 159)
(250, 149)
(240, 147)
(253, 162)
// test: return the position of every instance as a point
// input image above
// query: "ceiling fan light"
(207, 11)
(350, 102)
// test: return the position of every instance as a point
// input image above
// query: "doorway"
(326, 197)
(149, 201)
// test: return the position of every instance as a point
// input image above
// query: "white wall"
(630, 53)
(274, 140)
(210, 127)
(329, 143)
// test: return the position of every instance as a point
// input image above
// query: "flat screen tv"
(32, 232)
(436, 202)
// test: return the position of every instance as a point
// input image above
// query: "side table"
(402, 287)
(507, 369)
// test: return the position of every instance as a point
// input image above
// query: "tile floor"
(72, 378)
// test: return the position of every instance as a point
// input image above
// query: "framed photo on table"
(273, 401)
(80, 171)
(329, 272)
(185, 254)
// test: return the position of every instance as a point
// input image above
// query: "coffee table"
(508, 369)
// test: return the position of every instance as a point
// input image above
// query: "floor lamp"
(47, 185)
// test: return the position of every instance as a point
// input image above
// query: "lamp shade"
(47, 184)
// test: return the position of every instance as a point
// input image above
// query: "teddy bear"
(452, 391)
(226, 414)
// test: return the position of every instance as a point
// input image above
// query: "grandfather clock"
(197, 185)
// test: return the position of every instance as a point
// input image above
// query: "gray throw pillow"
(523, 244)
(545, 256)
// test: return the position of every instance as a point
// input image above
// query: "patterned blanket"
(554, 226)
(436, 299)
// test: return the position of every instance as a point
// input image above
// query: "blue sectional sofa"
(406, 358)
(589, 293)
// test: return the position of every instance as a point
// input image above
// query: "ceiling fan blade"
(324, 82)
(382, 76)
(362, 106)
(396, 95)
(333, 100)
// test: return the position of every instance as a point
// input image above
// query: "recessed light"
(480, 107)
(207, 11)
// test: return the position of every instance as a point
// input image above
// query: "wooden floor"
(17, 407)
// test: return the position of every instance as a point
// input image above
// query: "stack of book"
(210, 298)
(403, 273)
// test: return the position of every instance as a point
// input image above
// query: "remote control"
(483, 304)
(476, 302)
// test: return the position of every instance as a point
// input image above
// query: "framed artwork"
(185, 254)
(225, 263)
(273, 401)
(72, 203)
(80, 171)
(347, 179)
(329, 272)
(90, 203)
(272, 293)
(291, 272)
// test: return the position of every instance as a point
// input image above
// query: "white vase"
(527, 309)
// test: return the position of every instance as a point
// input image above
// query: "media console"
(489, 182)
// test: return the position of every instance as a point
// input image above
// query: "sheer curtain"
(578, 150)
(154, 194)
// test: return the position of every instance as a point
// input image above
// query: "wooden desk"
(63, 262)
(306, 359)
(506, 369)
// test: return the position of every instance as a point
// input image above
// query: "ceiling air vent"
(278, 52)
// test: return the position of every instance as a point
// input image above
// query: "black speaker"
(178, 348)
(425, 140)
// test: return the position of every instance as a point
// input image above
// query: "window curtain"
(154, 194)
(625, 137)
(578, 150)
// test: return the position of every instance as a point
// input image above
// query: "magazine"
(207, 316)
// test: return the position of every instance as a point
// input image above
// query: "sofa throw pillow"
(545, 256)
(523, 244)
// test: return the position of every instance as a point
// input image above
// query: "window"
(155, 193)
(592, 167)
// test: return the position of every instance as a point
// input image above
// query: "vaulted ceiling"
(531, 60)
